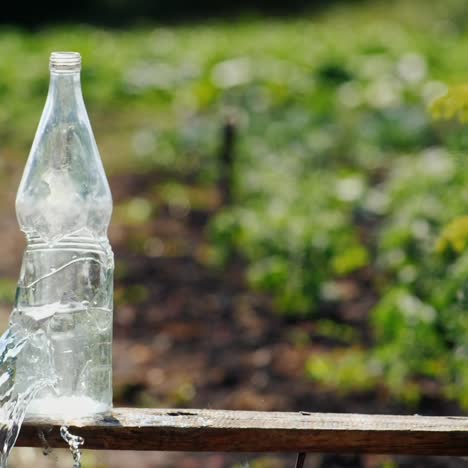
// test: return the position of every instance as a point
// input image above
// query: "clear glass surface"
(65, 290)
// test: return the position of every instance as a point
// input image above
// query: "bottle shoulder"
(64, 188)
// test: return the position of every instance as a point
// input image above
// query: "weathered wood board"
(248, 431)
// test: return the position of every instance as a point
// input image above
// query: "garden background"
(290, 222)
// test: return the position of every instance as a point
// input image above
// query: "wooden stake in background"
(226, 161)
(300, 459)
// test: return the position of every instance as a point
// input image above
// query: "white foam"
(66, 407)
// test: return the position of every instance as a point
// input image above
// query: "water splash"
(74, 442)
(13, 400)
(55, 357)
(25, 338)
(46, 448)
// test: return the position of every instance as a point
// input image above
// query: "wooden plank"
(246, 431)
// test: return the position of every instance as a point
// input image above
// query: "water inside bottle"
(48, 356)
(79, 340)
(64, 296)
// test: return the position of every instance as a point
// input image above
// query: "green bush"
(339, 167)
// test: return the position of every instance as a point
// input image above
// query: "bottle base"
(72, 407)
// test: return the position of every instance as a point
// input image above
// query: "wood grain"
(248, 431)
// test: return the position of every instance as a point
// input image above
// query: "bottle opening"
(65, 62)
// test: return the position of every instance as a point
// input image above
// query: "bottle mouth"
(65, 62)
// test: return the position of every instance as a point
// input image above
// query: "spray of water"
(74, 443)
(46, 448)
(25, 336)
(53, 349)
(13, 400)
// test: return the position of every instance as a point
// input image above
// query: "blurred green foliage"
(339, 166)
(453, 104)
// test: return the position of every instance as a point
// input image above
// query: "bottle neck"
(65, 97)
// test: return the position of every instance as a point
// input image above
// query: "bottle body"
(65, 291)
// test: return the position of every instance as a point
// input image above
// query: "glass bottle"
(65, 290)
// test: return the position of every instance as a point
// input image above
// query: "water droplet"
(74, 442)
